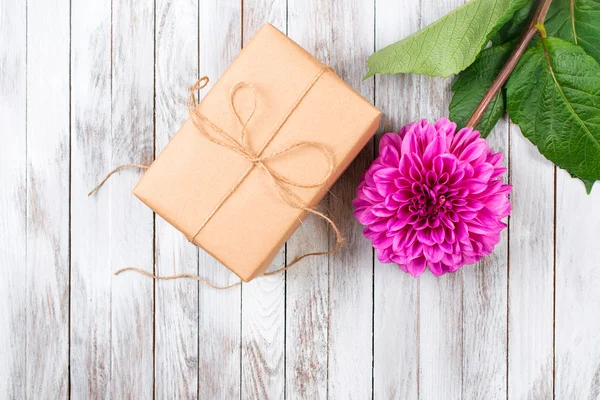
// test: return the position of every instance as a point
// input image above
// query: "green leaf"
(554, 96)
(577, 21)
(588, 183)
(447, 46)
(513, 7)
(473, 83)
(517, 24)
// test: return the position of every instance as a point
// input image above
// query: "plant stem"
(536, 23)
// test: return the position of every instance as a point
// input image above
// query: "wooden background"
(87, 85)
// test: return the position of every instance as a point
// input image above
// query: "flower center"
(430, 202)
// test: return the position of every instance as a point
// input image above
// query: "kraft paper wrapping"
(192, 174)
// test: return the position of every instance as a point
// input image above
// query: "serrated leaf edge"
(562, 93)
(371, 71)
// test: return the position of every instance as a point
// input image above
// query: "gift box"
(263, 146)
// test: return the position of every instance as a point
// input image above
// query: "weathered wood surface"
(112, 320)
(85, 86)
(176, 328)
(47, 271)
(531, 288)
(577, 298)
(13, 198)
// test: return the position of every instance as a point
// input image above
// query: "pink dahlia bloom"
(433, 198)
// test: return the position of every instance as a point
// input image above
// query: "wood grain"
(307, 287)
(263, 300)
(396, 295)
(13, 199)
(350, 322)
(263, 324)
(219, 337)
(91, 228)
(530, 310)
(132, 238)
(577, 298)
(485, 307)
(111, 118)
(48, 199)
(440, 300)
(176, 323)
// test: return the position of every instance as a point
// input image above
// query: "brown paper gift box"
(192, 174)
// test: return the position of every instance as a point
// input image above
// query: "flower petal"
(392, 140)
(435, 148)
(416, 266)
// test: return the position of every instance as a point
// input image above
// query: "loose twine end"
(338, 246)
(172, 277)
(103, 181)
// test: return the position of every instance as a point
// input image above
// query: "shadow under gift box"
(191, 175)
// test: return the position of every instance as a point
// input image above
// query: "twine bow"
(257, 159)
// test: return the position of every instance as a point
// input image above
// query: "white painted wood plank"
(307, 312)
(176, 326)
(263, 323)
(577, 325)
(531, 275)
(263, 299)
(485, 303)
(48, 199)
(91, 151)
(351, 270)
(111, 118)
(396, 313)
(307, 284)
(440, 299)
(220, 324)
(13, 198)
(440, 337)
(132, 233)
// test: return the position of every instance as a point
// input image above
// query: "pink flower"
(433, 198)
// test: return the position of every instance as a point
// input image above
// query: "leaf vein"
(567, 102)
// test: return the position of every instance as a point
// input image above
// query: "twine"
(257, 159)
(178, 276)
(112, 172)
